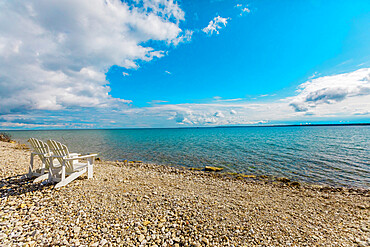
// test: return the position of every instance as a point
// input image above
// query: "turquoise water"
(333, 155)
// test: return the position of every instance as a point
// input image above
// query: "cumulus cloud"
(54, 54)
(215, 25)
(331, 89)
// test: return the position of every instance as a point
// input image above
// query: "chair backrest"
(62, 152)
(42, 150)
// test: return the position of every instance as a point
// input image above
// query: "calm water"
(337, 155)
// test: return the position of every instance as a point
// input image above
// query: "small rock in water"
(213, 169)
(295, 184)
(249, 176)
(283, 180)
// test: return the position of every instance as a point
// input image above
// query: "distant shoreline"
(204, 127)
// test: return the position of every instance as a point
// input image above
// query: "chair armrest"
(82, 157)
(46, 156)
(58, 156)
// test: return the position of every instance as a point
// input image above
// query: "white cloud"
(54, 54)
(243, 9)
(183, 37)
(331, 89)
(219, 114)
(219, 99)
(215, 25)
(125, 74)
(157, 101)
(167, 72)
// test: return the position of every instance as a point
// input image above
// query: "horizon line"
(202, 127)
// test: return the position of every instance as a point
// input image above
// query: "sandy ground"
(135, 204)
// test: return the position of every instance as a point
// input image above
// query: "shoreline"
(128, 204)
(292, 161)
(264, 177)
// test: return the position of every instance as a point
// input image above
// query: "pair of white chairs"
(58, 164)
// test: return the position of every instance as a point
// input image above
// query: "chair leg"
(90, 167)
(64, 170)
(30, 169)
(50, 174)
(40, 178)
(43, 167)
(70, 178)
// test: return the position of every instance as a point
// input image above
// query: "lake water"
(333, 155)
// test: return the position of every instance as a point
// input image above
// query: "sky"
(162, 63)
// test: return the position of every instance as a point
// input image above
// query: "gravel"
(136, 204)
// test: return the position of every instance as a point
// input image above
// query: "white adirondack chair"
(41, 149)
(70, 168)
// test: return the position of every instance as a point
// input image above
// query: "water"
(333, 155)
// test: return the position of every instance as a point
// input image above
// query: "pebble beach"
(137, 204)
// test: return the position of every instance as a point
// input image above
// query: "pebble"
(35, 233)
(76, 229)
(141, 238)
(365, 229)
(103, 242)
(205, 241)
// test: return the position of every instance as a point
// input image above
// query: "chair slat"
(60, 149)
(42, 150)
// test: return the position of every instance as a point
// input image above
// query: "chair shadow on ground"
(17, 185)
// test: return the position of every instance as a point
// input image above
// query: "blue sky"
(276, 46)
(92, 64)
